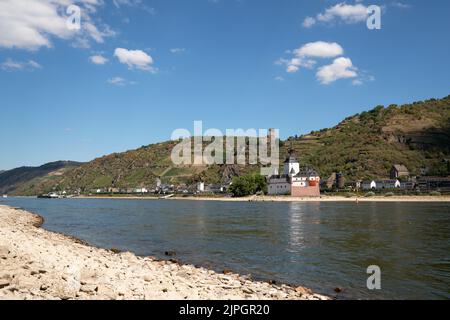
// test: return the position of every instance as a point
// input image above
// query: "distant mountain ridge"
(23, 179)
(363, 146)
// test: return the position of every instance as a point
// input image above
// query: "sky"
(133, 71)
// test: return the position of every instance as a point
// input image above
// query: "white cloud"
(96, 34)
(135, 59)
(33, 64)
(119, 81)
(309, 22)
(119, 3)
(279, 78)
(320, 49)
(135, 4)
(177, 50)
(31, 24)
(309, 54)
(363, 77)
(292, 68)
(12, 65)
(400, 5)
(98, 59)
(348, 13)
(341, 68)
(293, 65)
(304, 56)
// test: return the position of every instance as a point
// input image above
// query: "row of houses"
(300, 182)
(400, 178)
(422, 183)
(212, 188)
(161, 188)
(385, 184)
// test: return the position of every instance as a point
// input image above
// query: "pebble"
(63, 269)
(88, 288)
(4, 283)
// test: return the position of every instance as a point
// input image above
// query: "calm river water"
(317, 245)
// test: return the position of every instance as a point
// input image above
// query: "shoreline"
(283, 199)
(37, 264)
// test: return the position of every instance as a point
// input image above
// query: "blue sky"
(137, 70)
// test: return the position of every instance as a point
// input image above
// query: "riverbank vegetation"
(247, 185)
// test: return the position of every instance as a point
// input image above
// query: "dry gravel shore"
(38, 264)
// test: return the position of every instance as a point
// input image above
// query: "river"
(320, 245)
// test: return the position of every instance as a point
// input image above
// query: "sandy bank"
(290, 199)
(38, 264)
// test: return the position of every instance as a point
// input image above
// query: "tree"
(248, 185)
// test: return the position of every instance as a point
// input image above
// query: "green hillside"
(362, 146)
(366, 145)
(26, 180)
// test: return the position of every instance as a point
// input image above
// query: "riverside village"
(293, 179)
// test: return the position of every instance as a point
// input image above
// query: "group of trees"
(249, 184)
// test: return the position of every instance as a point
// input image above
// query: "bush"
(248, 185)
(389, 194)
(369, 194)
(435, 193)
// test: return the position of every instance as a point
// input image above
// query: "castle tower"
(291, 165)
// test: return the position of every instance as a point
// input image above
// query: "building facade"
(399, 171)
(381, 184)
(295, 181)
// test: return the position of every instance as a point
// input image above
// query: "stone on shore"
(4, 252)
(38, 264)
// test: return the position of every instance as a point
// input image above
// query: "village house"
(399, 171)
(141, 190)
(296, 181)
(201, 187)
(335, 181)
(407, 185)
(434, 183)
(369, 185)
(216, 188)
(381, 184)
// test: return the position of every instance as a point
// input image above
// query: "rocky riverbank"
(38, 264)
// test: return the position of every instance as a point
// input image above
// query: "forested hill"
(367, 144)
(362, 146)
(25, 180)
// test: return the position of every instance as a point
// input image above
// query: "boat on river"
(50, 196)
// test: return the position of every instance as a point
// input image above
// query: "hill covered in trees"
(366, 145)
(26, 180)
(363, 146)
